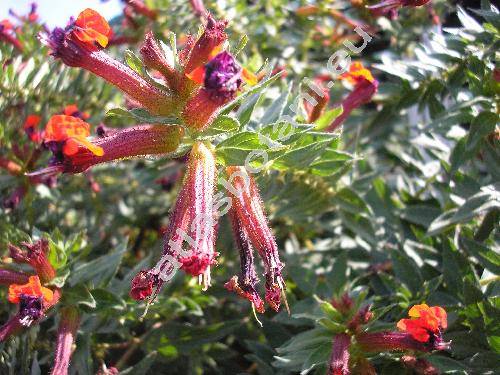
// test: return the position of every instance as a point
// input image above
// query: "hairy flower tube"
(315, 109)
(392, 5)
(423, 332)
(80, 45)
(365, 86)
(140, 7)
(245, 284)
(203, 49)
(249, 211)
(8, 277)
(125, 143)
(190, 236)
(66, 333)
(36, 255)
(154, 58)
(339, 359)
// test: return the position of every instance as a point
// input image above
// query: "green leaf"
(483, 125)
(100, 270)
(134, 62)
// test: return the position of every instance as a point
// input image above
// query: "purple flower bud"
(222, 77)
(30, 309)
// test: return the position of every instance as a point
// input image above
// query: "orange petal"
(92, 27)
(441, 316)
(61, 127)
(31, 288)
(249, 77)
(417, 310)
(356, 73)
(197, 75)
(80, 141)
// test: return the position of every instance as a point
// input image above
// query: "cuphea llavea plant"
(182, 101)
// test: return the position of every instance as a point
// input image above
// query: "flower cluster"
(206, 78)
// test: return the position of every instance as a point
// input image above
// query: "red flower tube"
(365, 86)
(8, 36)
(36, 256)
(8, 277)
(139, 7)
(68, 327)
(154, 58)
(80, 44)
(392, 5)
(121, 144)
(245, 285)
(203, 49)
(250, 213)
(191, 221)
(339, 359)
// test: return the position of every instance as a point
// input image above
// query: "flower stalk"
(68, 327)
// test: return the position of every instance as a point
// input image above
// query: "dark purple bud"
(223, 76)
(30, 309)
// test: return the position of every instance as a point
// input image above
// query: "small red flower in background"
(357, 74)
(30, 127)
(91, 28)
(72, 110)
(72, 133)
(365, 86)
(32, 288)
(6, 25)
(425, 321)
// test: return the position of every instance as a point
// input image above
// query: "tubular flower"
(316, 108)
(426, 323)
(64, 135)
(203, 49)
(8, 35)
(198, 7)
(36, 256)
(139, 7)
(423, 332)
(32, 299)
(154, 58)
(31, 128)
(392, 5)
(66, 333)
(115, 145)
(80, 44)
(250, 213)
(339, 359)
(189, 239)
(245, 285)
(222, 78)
(8, 277)
(365, 86)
